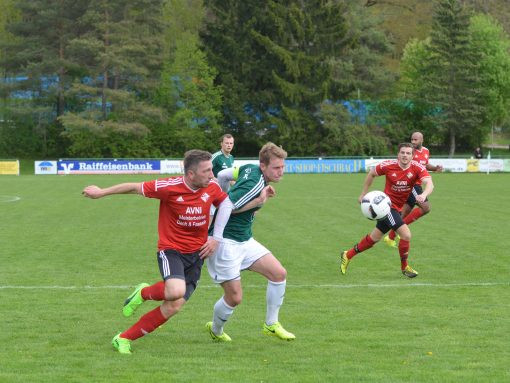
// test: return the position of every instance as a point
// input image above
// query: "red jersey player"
(183, 242)
(421, 154)
(401, 175)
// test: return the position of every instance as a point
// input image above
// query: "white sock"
(274, 298)
(222, 311)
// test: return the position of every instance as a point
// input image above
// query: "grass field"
(67, 263)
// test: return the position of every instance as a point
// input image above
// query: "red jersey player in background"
(401, 175)
(183, 242)
(421, 154)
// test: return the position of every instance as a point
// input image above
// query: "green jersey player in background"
(222, 159)
(238, 250)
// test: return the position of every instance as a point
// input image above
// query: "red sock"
(413, 216)
(392, 235)
(365, 244)
(403, 249)
(147, 324)
(155, 292)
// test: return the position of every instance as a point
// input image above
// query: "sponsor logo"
(194, 210)
(401, 183)
(180, 199)
(394, 174)
(67, 168)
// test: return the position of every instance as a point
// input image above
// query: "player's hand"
(267, 192)
(208, 248)
(360, 198)
(439, 168)
(420, 198)
(93, 192)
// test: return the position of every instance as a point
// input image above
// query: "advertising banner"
(473, 166)
(9, 167)
(506, 165)
(324, 166)
(172, 167)
(454, 165)
(108, 167)
(45, 167)
(491, 166)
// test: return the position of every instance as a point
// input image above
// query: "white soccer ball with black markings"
(375, 205)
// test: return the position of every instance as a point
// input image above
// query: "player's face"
(417, 140)
(405, 155)
(201, 177)
(273, 171)
(227, 145)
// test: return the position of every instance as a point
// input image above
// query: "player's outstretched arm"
(95, 192)
(369, 179)
(434, 168)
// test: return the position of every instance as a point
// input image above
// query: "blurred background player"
(238, 250)
(401, 175)
(222, 159)
(421, 155)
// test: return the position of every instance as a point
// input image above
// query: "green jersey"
(220, 161)
(248, 186)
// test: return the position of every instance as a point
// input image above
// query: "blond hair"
(269, 151)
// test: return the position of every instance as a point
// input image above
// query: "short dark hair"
(228, 135)
(193, 157)
(405, 145)
(269, 151)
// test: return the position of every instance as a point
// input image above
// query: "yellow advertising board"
(473, 166)
(9, 167)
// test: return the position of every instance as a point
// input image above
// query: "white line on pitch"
(262, 285)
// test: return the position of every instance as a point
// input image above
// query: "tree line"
(154, 78)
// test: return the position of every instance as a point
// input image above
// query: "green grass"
(67, 263)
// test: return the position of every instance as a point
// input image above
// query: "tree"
(121, 52)
(488, 37)
(38, 56)
(192, 101)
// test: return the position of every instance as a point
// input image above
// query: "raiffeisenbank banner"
(108, 166)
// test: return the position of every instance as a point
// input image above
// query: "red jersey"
(183, 212)
(400, 182)
(421, 156)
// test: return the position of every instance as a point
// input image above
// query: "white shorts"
(231, 257)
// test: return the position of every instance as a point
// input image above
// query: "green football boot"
(391, 242)
(134, 300)
(344, 262)
(276, 329)
(409, 272)
(217, 338)
(122, 345)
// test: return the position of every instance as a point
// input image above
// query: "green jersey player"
(238, 250)
(222, 159)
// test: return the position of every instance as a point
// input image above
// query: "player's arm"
(369, 179)
(224, 210)
(265, 194)
(226, 176)
(434, 168)
(429, 187)
(95, 192)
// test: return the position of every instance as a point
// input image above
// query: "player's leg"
(174, 288)
(224, 308)
(391, 239)
(224, 267)
(276, 275)
(403, 249)
(364, 244)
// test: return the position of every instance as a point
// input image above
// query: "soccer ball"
(375, 205)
